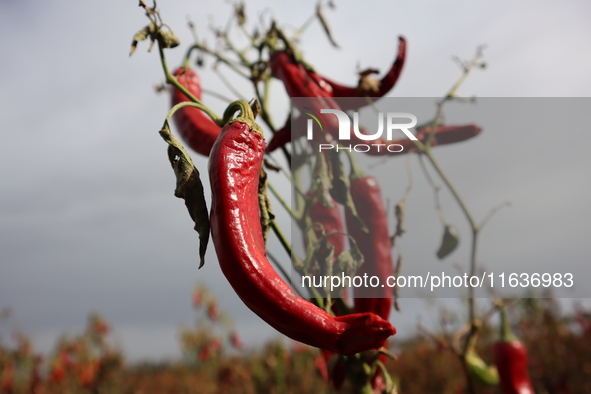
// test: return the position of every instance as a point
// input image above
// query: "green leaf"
(190, 189)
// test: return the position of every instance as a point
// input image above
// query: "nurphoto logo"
(392, 121)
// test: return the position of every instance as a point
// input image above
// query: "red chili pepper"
(299, 83)
(195, 127)
(511, 360)
(234, 168)
(444, 134)
(375, 245)
(385, 84)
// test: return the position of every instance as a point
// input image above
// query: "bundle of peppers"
(236, 155)
(235, 165)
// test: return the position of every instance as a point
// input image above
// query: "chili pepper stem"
(506, 333)
(170, 79)
(356, 171)
(179, 106)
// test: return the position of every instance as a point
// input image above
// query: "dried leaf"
(140, 36)
(341, 187)
(265, 205)
(169, 39)
(321, 181)
(240, 14)
(368, 85)
(189, 188)
(350, 260)
(325, 26)
(449, 243)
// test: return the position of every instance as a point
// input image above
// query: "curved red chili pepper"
(235, 164)
(386, 83)
(511, 359)
(375, 245)
(195, 127)
(298, 83)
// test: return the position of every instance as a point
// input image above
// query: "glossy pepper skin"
(511, 359)
(234, 167)
(195, 127)
(386, 83)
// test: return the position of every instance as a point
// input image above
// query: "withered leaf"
(449, 242)
(325, 26)
(190, 189)
(341, 187)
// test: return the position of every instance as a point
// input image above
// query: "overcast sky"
(88, 220)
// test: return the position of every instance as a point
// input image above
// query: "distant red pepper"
(511, 360)
(195, 127)
(234, 168)
(384, 86)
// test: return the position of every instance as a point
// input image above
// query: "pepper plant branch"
(181, 105)
(230, 87)
(493, 211)
(304, 26)
(217, 95)
(293, 215)
(436, 189)
(219, 57)
(467, 68)
(282, 270)
(282, 239)
(474, 226)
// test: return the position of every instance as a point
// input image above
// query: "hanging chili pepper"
(375, 244)
(376, 248)
(298, 83)
(234, 168)
(365, 87)
(511, 359)
(195, 127)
